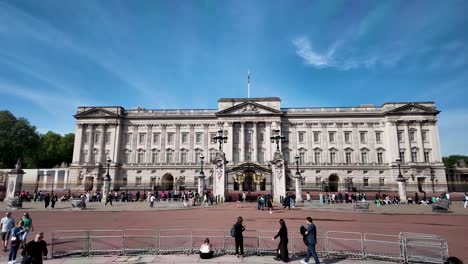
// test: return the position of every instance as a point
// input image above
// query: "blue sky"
(56, 55)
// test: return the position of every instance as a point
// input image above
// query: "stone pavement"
(166, 259)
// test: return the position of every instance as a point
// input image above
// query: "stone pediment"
(413, 109)
(248, 108)
(96, 113)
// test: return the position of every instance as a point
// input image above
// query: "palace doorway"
(167, 182)
(333, 181)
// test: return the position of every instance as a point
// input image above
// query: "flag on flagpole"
(248, 76)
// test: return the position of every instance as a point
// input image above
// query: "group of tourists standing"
(34, 251)
(310, 239)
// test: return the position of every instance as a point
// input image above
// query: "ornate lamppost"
(220, 138)
(401, 183)
(107, 180)
(201, 177)
(277, 138)
(298, 179)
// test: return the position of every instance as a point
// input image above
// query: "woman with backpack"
(16, 234)
(236, 232)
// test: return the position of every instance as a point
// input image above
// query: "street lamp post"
(401, 183)
(201, 177)
(220, 138)
(107, 181)
(298, 179)
(277, 138)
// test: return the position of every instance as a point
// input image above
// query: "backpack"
(233, 230)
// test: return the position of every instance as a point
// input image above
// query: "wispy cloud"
(305, 51)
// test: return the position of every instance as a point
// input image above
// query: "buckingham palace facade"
(336, 148)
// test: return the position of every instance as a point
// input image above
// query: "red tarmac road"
(454, 228)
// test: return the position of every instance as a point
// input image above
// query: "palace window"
(96, 156)
(332, 157)
(402, 156)
(141, 157)
(169, 157)
(156, 137)
(331, 137)
(382, 181)
(378, 137)
(262, 137)
(198, 138)
(424, 136)
(236, 156)
(412, 136)
(301, 137)
(301, 157)
(107, 153)
(364, 157)
(138, 181)
(426, 156)
(127, 157)
(379, 157)
(317, 137)
(124, 182)
(348, 157)
(107, 138)
(414, 156)
(155, 157)
(363, 137)
(97, 138)
(212, 156)
(366, 182)
(212, 136)
(183, 157)
(141, 138)
(85, 156)
(261, 156)
(317, 157)
(400, 136)
(170, 138)
(86, 138)
(347, 137)
(184, 138)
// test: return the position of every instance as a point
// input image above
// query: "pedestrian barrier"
(406, 247)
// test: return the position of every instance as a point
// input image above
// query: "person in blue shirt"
(16, 233)
(311, 240)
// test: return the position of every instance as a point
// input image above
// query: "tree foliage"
(453, 159)
(19, 139)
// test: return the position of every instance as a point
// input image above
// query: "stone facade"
(339, 148)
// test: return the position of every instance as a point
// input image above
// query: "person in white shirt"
(152, 198)
(7, 224)
(448, 197)
(308, 197)
(466, 200)
(205, 250)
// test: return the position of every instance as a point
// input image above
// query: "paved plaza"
(389, 220)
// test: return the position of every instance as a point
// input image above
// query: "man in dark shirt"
(312, 240)
(36, 249)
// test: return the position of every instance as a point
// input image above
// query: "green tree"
(55, 149)
(452, 159)
(18, 139)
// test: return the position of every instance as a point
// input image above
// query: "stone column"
(279, 181)
(191, 155)
(206, 141)
(298, 179)
(420, 143)
(242, 143)
(356, 140)
(201, 184)
(177, 144)
(78, 144)
(371, 141)
(102, 151)
(219, 177)
(268, 144)
(229, 144)
(309, 140)
(163, 143)
(91, 146)
(134, 144)
(117, 142)
(149, 135)
(55, 179)
(402, 189)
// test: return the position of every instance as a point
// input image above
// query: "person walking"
(46, 201)
(270, 205)
(7, 224)
(36, 250)
(308, 198)
(287, 202)
(53, 200)
(239, 238)
(311, 240)
(28, 227)
(239, 200)
(282, 250)
(466, 200)
(152, 198)
(109, 199)
(16, 234)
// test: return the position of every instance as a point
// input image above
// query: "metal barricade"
(140, 242)
(175, 241)
(267, 246)
(106, 242)
(250, 242)
(69, 243)
(300, 248)
(344, 244)
(424, 248)
(383, 247)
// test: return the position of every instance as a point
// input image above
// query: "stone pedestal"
(201, 184)
(279, 181)
(219, 177)
(106, 188)
(402, 189)
(15, 181)
(298, 179)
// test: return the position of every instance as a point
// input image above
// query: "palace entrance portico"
(250, 178)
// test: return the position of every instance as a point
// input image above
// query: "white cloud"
(311, 57)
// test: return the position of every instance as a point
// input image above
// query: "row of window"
(332, 137)
(319, 181)
(97, 138)
(412, 136)
(414, 156)
(333, 157)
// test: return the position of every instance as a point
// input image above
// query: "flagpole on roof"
(248, 83)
